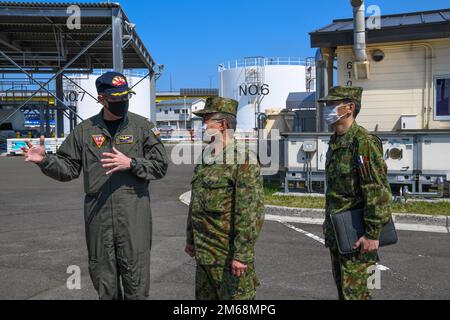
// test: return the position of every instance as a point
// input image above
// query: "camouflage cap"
(343, 93)
(218, 105)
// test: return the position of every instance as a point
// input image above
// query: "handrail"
(262, 62)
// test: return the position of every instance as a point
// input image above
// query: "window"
(442, 98)
(177, 111)
(166, 112)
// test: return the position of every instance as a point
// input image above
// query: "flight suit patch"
(99, 140)
(126, 139)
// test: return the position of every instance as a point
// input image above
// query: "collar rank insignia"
(99, 140)
(126, 139)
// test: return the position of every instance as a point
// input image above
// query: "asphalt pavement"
(42, 234)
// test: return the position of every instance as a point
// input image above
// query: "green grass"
(418, 207)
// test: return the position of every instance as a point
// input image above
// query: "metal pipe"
(60, 107)
(324, 75)
(359, 30)
(117, 38)
(261, 120)
(440, 194)
(320, 87)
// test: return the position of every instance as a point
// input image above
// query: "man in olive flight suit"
(356, 178)
(119, 153)
(226, 212)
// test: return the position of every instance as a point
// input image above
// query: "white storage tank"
(88, 107)
(16, 122)
(259, 84)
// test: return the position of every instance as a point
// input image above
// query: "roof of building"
(178, 102)
(396, 27)
(37, 32)
(199, 92)
(301, 100)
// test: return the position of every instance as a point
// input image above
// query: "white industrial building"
(406, 73)
(403, 64)
(177, 114)
(409, 89)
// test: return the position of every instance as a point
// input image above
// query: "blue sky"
(191, 37)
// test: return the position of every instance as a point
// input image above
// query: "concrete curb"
(406, 222)
(404, 218)
(403, 221)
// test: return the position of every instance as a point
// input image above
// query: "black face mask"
(119, 109)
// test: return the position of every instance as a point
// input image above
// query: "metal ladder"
(255, 76)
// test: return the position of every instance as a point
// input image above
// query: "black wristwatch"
(133, 163)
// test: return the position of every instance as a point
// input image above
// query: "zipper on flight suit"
(111, 145)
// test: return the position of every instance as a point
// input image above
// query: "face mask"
(331, 115)
(210, 135)
(119, 109)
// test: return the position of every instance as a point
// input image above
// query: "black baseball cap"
(113, 84)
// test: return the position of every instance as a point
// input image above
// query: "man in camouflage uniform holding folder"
(356, 178)
(226, 213)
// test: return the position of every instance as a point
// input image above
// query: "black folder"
(349, 227)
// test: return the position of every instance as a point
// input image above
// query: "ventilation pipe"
(320, 87)
(405, 193)
(359, 39)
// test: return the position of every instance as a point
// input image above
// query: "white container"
(259, 84)
(408, 122)
(434, 151)
(87, 107)
(17, 120)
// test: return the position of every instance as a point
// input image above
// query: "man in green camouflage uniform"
(226, 212)
(356, 178)
(119, 153)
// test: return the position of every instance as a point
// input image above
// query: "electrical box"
(297, 155)
(408, 122)
(310, 146)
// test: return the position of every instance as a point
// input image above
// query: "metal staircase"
(255, 76)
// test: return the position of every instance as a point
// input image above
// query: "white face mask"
(209, 135)
(331, 115)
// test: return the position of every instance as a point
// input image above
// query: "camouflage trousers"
(351, 274)
(218, 283)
